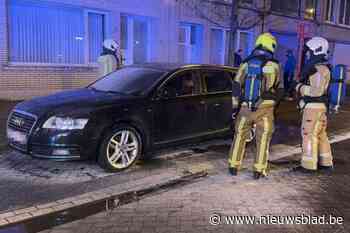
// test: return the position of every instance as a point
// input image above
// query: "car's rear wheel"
(120, 149)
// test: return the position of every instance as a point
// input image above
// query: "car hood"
(68, 102)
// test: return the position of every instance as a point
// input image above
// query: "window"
(217, 46)
(344, 12)
(129, 80)
(217, 81)
(48, 33)
(189, 43)
(96, 35)
(330, 14)
(244, 40)
(289, 7)
(184, 84)
(136, 34)
(310, 9)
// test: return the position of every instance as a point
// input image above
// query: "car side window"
(185, 83)
(217, 81)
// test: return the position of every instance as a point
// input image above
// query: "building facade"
(52, 45)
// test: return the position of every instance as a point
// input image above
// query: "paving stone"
(27, 210)
(3, 222)
(6, 215)
(18, 218)
(41, 212)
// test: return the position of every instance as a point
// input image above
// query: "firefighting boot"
(258, 175)
(326, 169)
(303, 170)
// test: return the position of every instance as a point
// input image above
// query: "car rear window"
(217, 81)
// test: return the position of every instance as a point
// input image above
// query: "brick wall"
(24, 82)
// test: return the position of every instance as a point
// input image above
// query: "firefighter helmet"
(266, 41)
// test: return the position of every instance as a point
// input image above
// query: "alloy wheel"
(122, 149)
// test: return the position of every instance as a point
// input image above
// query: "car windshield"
(129, 80)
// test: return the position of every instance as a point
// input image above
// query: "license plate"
(16, 136)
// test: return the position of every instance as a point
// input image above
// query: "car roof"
(168, 67)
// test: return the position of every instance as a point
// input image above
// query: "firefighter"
(312, 89)
(254, 99)
(110, 59)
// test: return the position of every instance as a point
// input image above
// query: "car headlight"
(65, 123)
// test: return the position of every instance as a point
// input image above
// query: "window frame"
(335, 8)
(87, 63)
(175, 75)
(205, 84)
(188, 46)
(224, 31)
(106, 28)
(338, 14)
(297, 13)
(195, 52)
(314, 14)
(128, 51)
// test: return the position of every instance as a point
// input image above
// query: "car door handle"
(217, 105)
(202, 102)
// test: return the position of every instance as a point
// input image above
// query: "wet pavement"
(190, 208)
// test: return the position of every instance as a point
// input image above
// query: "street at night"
(174, 116)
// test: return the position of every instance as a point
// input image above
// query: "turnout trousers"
(316, 146)
(263, 118)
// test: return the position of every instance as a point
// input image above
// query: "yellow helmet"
(266, 41)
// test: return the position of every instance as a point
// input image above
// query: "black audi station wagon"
(126, 114)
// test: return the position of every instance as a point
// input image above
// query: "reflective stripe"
(252, 89)
(306, 90)
(314, 138)
(308, 158)
(326, 155)
(340, 87)
(261, 164)
(239, 143)
(263, 142)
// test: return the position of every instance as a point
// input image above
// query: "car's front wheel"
(120, 149)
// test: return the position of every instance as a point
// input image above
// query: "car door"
(179, 107)
(218, 90)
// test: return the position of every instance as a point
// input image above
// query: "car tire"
(120, 149)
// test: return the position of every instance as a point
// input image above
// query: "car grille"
(23, 122)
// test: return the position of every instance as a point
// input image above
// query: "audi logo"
(18, 121)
